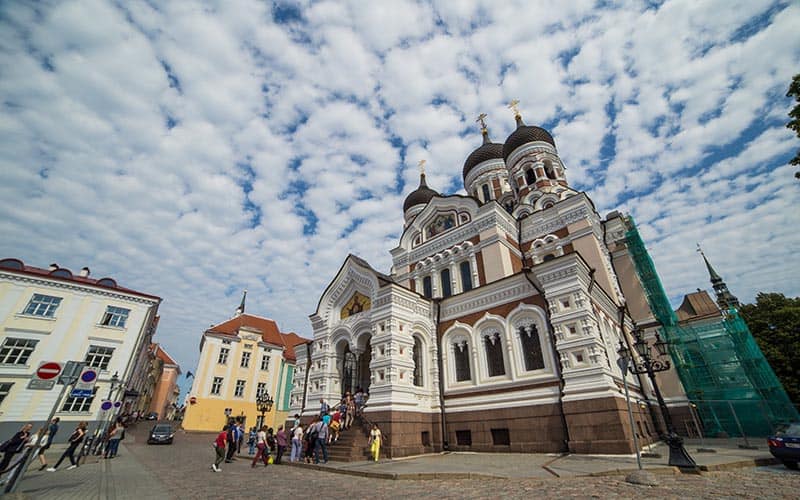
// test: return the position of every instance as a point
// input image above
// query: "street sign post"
(84, 387)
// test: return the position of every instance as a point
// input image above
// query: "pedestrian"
(239, 437)
(281, 440)
(231, 439)
(261, 445)
(359, 399)
(375, 441)
(271, 445)
(297, 443)
(14, 445)
(251, 441)
(343, 411)
(75, 439)
(219, 448)
(310, 439)
(114, 436)
(296, 421)
(324, 408)
(321, 442)
(334, 428)
(351, 411)
(52, 429)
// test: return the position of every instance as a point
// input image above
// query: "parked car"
(151, 416)
(161, 433)
(785, 444)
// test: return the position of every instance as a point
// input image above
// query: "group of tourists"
(309, 443)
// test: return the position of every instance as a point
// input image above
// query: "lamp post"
(647, 363)
(264, 404)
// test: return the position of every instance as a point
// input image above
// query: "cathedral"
(498, 327)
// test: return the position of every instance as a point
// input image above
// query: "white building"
(54, 315)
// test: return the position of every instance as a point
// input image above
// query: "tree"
(794, 114)
(774, 321)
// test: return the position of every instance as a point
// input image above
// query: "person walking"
(75, 439)
(297, 443)
(239, 437)
(114, 437)
(281, 440)
(52, 429)
(375, 439)
(321, 442)
(14, 445)
(351, 411)
(219, 447)
(359, 400)
(261, 445)
(324, 408)
(310, 439)
(251, 441)
(231, 438)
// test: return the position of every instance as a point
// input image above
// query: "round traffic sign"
(88, 376)
(48, 370)
(107, 405)
(117, 404)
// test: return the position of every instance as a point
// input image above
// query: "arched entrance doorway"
(363, 366)
(349, 371)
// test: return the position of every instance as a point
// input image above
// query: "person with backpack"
(311, 439)
(321, 441)
(75, 439)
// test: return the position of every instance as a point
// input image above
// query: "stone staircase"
(353, 445)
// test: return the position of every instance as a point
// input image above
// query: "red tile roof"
(268, 329)
(17, 266)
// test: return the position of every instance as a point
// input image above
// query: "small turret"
(725, 299)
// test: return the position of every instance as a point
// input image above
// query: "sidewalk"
(120, 478)
(464, 465)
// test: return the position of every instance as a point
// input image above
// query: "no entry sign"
(48, 370)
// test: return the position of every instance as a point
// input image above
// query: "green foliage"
(794, 114)
(774, 321)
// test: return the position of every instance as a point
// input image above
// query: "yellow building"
(55, 315)
(241, 359)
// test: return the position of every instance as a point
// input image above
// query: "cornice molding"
(76, 287)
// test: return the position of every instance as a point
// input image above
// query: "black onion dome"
(423, 194)
(487, 151)
(523, 135)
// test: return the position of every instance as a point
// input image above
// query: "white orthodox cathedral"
(498, 327)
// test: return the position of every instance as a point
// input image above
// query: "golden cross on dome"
(513, 106)
(481, 119)
(421, 165)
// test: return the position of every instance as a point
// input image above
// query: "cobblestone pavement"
(184, 469)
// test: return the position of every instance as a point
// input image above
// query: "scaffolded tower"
(722, 369)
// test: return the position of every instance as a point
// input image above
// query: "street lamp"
(678, 456)
(264, 404)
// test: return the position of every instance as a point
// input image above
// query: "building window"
(265, 362)
(464, 438)
(427, 287)
(494, 354)
(447, 289)
(416, 354)
(549, 170)
(5, 388)
(531, 348)
(115, 316)
(16, 351)
(216, 386)
(530, 177)
(239, 390)
(245, 360)
(486, 196)
(78, 404)
(466, 276)
(500, 437)
(99, 357)
(223, 355)
(461, 355)
(261, 388)
(42, 305)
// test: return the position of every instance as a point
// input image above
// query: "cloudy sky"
(192, 150)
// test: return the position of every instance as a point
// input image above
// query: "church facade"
(499, 324)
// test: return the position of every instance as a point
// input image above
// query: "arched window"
(447, 288)
(494, 354)
(549, 171)
(530, 177)
(417, 355)
(427, 287)
(466, 276)
(461, 358)
(531, 347)
(486, 195)
(548, 257)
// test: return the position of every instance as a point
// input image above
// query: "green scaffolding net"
(722, 369)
